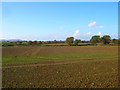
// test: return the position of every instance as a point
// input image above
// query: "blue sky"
(58, 20)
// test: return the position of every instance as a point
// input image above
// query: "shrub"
(54, 45)
(43, 45)
(99, 44)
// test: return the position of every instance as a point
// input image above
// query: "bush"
(99, 44)
(43, 45)
(54, 45)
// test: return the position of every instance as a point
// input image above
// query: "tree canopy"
(70, 40)
(106, 39)
(95, 39)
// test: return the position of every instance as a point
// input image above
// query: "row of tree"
(14, 43)
(106, 39)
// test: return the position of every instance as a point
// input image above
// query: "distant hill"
(11, 40)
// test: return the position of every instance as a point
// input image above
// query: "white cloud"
(76, 33)
(99, 33)
(95, 25)
(89, 33)
(92, 24)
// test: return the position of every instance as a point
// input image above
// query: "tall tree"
(106, 39)
(70, 40)
(95, 39)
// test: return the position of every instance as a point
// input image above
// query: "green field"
(61, 66)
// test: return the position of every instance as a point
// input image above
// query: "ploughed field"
(60, 66)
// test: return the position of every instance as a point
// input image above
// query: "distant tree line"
(106, 39)
(96, 39)
(16, 43)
